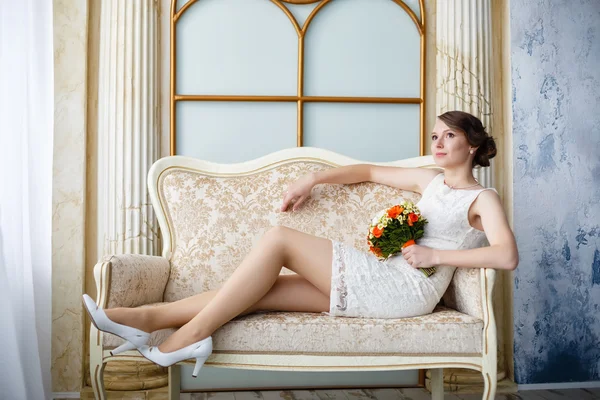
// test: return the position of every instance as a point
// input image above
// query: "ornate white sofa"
(210, 216)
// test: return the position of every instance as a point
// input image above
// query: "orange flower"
(376, 251)
(408, 243)
(395, 211)
(412, 218)
(377, 232)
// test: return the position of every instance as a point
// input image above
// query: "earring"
(471, 151)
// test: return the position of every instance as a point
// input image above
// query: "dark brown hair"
(475, 133)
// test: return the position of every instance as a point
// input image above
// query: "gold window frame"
(300, 98)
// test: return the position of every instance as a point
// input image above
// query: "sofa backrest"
(212, 214)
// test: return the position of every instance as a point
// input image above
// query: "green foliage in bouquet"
(394, 228)
(396, 234)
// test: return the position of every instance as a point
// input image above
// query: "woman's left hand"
(419, 256)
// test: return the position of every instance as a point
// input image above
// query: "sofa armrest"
(468, 290)
(131, 280)
(490, 341)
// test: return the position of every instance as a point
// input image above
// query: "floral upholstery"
(464, 292)
(445, 331)
(136, 279)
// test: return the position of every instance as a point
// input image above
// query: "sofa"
(210, 215)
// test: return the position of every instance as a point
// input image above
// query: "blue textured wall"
(555, 56)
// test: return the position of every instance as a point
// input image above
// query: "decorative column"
(128, 144)
(464, 63)
(128, 139)
(464, 82)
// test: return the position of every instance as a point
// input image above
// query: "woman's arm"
(300, 190)
(502, 252)
(348, 174)
(413, 179)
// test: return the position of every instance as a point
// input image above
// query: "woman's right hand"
(297, 192)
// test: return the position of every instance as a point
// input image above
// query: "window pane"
(236, 47)
(234, 131)
(370, 132)
(362, 48)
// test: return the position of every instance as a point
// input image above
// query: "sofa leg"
(174, 382)
(97, 372)
(437, 384)
(490, 382)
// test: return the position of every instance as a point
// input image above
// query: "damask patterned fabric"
(442, 332)
(215, 221)
(464, 292)
(136, 279)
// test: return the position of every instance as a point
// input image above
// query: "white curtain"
(26, 131)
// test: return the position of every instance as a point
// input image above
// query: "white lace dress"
(363, 286)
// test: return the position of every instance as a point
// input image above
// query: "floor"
(389, 394)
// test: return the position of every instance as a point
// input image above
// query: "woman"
(334, 278)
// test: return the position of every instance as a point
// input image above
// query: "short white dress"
(363, 286)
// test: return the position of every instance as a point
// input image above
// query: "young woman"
(331, 277)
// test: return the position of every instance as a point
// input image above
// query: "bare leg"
(307, 255)
(289, 293)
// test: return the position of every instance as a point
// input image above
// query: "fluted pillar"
(464, 82)
(464, 62)
(127, 126)
(128, 144)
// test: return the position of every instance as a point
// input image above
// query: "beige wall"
(501, 11)
(93, 54)
(68, 199)
(430, 72)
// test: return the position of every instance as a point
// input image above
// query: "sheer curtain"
(26, 131)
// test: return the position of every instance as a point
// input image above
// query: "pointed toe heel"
(134, 338)
(200, 351)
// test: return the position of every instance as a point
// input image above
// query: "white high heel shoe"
(134, 338)
(200, 351)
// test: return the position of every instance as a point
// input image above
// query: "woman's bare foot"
(133, 317)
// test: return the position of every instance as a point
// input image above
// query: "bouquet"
(395, 228)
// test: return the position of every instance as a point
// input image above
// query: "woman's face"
(449, 147)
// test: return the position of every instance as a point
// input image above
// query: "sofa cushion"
(442, 332)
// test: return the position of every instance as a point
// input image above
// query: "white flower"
(378, 217)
